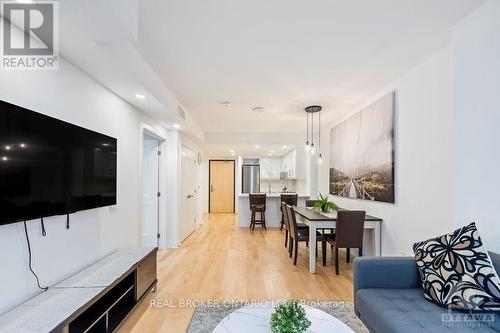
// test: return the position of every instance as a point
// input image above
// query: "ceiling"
(286, 54)
(282, 55)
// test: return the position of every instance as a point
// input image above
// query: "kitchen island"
(273, 213)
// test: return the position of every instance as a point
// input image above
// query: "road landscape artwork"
(362, 153)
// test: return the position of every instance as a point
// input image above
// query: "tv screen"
(50, 167)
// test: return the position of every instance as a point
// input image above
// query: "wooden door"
(221, 186)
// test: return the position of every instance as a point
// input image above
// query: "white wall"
(447, 141)
(476, 84)
(423, 158)
(70, 95)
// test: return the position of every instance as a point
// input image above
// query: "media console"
(94, 300)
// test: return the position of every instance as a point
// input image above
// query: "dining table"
(319, 220)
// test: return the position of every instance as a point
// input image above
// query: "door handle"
(211, 188)
(189, 196)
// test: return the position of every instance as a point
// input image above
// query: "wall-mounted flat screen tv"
(50, 167)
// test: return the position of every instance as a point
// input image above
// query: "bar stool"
(289, 199)
(257, 205)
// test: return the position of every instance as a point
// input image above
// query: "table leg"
(376, 239)
(312, 248)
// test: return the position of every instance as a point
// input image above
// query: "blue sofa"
(388, 298)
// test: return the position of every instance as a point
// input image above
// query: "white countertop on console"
(46, 311)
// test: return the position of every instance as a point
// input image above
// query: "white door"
(150, 199)
(188, 193)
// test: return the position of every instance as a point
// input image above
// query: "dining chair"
(257, 205)
(289, 199)
(301, 235)
(348, 234)
(310, 203)
(287, 224)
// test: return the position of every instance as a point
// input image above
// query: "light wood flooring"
(220, 261)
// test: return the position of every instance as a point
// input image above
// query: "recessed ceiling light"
(4, 158)
(8, 147)
(258, 109)
(140, 96)
(176, 126)
(22, 145)
(225, 104)
(285, 147)
(231, 150)
(257, 146)
(272, 151)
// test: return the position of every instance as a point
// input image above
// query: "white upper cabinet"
(294, 163)
(270, 167)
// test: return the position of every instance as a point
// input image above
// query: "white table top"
(256, 318)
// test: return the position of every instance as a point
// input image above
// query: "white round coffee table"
(256, 318)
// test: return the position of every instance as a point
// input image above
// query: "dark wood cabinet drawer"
(146, 274)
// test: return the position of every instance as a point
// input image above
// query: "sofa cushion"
(457, 272)
(407, 311)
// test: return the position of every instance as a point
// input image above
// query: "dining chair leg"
(291, 247)
(263, 217)
(336, 260)
(307, 243)
(323, 249)
(296, 252)
(282, 221)
(348, 255)
(252, 218)
(360, 251)
(286, 237)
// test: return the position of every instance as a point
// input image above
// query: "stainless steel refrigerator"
(251, 178)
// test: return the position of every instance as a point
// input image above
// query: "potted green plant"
(289, 317)
(324, 205)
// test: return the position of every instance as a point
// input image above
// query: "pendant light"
(320, 157)
(313, 148)
(307, 145)
(310, 147)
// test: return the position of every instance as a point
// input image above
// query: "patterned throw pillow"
(457, 272)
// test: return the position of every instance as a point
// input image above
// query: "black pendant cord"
(29, 259)
(307, 128)
(67, 221)
(312, 129)
(319, 132)
(44, 233)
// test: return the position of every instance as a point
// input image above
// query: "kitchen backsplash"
(292, 185)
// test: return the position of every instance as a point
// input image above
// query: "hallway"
(221, 261)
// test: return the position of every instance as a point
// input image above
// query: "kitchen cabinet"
(270, 168)
(294, 164)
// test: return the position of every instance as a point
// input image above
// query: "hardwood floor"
(221, 261)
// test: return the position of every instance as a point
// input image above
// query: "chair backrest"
(285, 216)
(349, 228)
(257, 199)
(310, 203)
(292, 221)
(290, 199)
